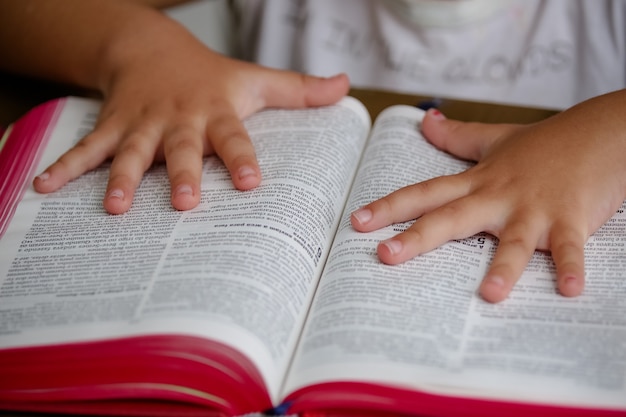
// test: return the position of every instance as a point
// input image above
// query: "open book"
(269, 300)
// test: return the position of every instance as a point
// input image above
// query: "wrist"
(141, 35)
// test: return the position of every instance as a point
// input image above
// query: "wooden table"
(454, 109)
(19, 94)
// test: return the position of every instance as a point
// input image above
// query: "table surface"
(19, 94)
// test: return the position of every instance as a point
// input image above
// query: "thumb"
(289, 89)
(465, 140)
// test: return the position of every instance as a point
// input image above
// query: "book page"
(421, 325)
(239, 269)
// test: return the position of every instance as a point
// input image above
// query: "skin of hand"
(166, 96)
(545, 186)
(177, 111)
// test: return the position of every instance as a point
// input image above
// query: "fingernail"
(44, 176)
(571, 285)
(245, 172)
(363, 216)
(495, 282)
(436, 114)
(183, 190)
(394, 246)
(116, 193)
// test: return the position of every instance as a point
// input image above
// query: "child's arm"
(545, 186)
(166, 95)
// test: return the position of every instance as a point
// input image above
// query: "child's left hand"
(545, 186)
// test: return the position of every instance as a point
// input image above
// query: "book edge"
(22, 147)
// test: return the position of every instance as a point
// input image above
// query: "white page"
(421, 324)
(240, 268)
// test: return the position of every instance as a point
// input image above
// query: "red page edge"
(31, 131)
(368, 399)
(84, 376)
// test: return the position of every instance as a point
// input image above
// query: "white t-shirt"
(547, 53)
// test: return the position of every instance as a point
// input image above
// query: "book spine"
(20, 151)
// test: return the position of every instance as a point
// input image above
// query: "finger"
(231, 143)
(517, 243)
(294, 90)
(567, 247)
(183, 156)
(462, 139)
(87, 154)
(409, 202)
(133, 157)
(459, 219)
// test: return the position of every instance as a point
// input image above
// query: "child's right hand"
(167, 97)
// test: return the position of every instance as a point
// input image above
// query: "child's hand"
(545, 186)
(167, 97)
(178, 108)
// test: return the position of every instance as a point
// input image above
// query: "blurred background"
(209, 20)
